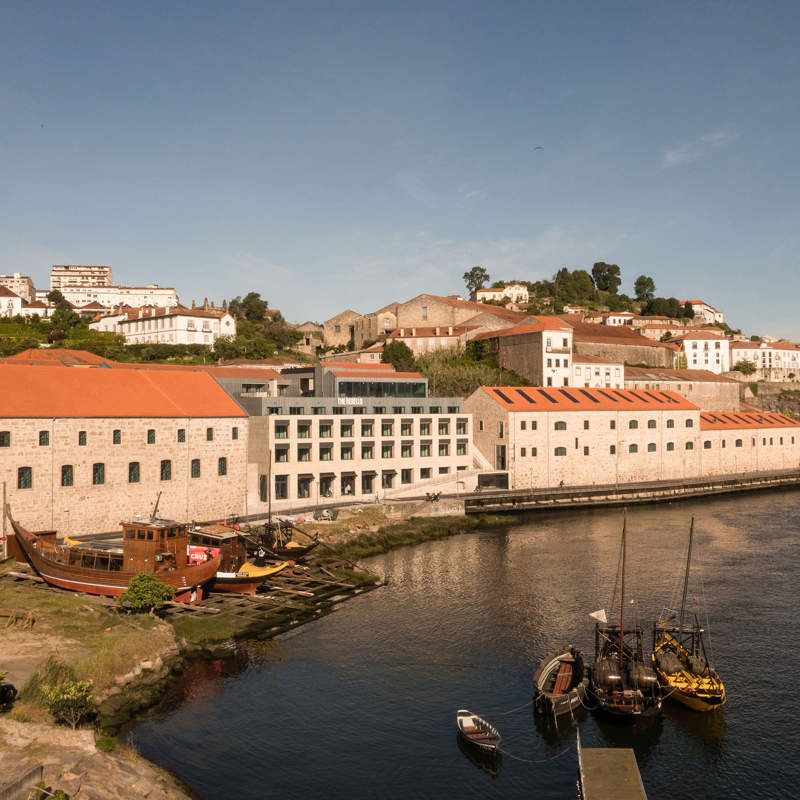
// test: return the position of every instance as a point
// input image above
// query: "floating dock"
(609, 773)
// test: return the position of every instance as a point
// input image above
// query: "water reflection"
(490, 763)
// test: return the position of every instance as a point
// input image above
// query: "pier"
(609, 773)
(613, 494)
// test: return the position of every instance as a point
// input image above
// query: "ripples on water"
(361, 704)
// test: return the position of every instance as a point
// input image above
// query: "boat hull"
(695, 702)
(558, 703)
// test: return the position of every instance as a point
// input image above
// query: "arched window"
(560, 426)
(690, 445)
(690, 424)
(633, 448)
(707, 444)
(651, 423)
(633, 424)
(738, 442)
(670, 423)
(670, 445)
(560, 451)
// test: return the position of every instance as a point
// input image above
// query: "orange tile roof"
(68, 392)
(682, 375)
(729, 420)
(568, 398)
(699, 335)
(350, 365)
(57, 356)
(6, 292)
(781, 345)
(544, 323)
(361, 372)
(613, 334)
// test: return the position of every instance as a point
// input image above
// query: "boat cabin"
(153, 545)
(219, 540)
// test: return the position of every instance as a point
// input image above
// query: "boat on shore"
(680, 658)
(476, 731)
(561, 683)
(278, 538)
(156, 545)
(622, 686)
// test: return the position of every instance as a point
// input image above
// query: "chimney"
(413, 331)
(435, 331)
(402, 331)
(450, 330)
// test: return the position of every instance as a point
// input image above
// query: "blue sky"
(344, 155)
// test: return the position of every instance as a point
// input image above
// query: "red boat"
(155, 545)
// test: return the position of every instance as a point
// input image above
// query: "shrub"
(105, 743)
(70, 702)
(145, 592)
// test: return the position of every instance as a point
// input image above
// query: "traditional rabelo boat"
(622, 685)
(278, 539)
(238, 572)
(154, 545)
(561, 683)
(476, 731)
(680, 659)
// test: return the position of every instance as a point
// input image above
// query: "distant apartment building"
(516, 293)
(612, 318)
(703, 312)
(65, 276)
(703, 350)
(597, 372)
(10, 303)
(174, 325)
(19, 284)
(112, 296)
(544, 437)
(774, 361)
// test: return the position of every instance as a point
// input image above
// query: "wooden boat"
(277, 538)
(237, 572)
(103, 568)
(622, 685)
(679, 656)
(561, 683)
(488, 761)
(476, 731)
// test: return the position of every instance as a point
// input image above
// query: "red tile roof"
(479, 308)
(6, 292)
(613, 334)
(680, 375)
(579, 359)
(68, 392)
(57, 356)
(568, 398)
(363, 371)
(729, 420)
(543, 323)
(781, 345)
(699, 335)
(419, 332)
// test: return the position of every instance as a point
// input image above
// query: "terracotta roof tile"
(678, 375)
(567, 398)
(738, 420)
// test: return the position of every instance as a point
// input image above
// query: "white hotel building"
(177, 325)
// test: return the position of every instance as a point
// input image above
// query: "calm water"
(361, 704)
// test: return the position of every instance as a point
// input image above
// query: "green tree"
(606, 277)
(688, 311)
(55, 297)
(644, 288)
(145, 592)
(745, 366)
(399, 355)
(254, 307)
(755, 338)
(475, 278)
(69, 702)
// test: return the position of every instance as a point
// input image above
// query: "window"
(444, 470)
(303, 486)
(181, 434)
(444, 428)
(387, 428)
(560, 451)
(44, 438)
(633, 424)
(533, 425)
(195, 468)
(133, 472)
(670, 423)
(304, 453)
(166, 470)
(424, 449)
(234, 433)
(151, 436)
(499, 430)
(24, 478)
(366, 429)
(612, 425)
(98, 474)
(282, 431)
(461, 447)
(82, 438)
(651, 448)
(209, 434)
(522, 425)
(707, 444)
(346, 430)
(560, 426)
(347, 452)
(348, 484)
(367, 483)
(612, 450)
(406, 450)
(326, 452)
(387, 480)
(651, 423)
(522, 452)
(222, 466)
(387, 450)
(690, 445)
(670, 446)
(480, 426)
(444, 448)
(689, 423)
(586, 424)
(281, 487)
(406, 428)
(116, 436)
(461, 427)
(66, 475)
(5, 438)
(425, 473)
(425, 428)
(405, 475)
(586, 451)
(633, 448)
(296, 410)
(738, 442)
(367, 450)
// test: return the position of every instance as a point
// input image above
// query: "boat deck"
(610, 773)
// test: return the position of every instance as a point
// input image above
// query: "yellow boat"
(680, 660)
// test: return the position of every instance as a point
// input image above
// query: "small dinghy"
(477, 731)
(560, 684)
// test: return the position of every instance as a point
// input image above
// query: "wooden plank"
(290, 591)
(611, 773)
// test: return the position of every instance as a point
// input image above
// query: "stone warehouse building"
(542, 437)
(81, 449)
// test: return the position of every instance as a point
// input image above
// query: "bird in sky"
(538, 147)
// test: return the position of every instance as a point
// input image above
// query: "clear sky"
(345, 155)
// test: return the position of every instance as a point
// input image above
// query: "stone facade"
(85, 507)
(339, 330)
(705, 389)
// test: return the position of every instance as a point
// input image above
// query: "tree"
(644, 288)
(254, 307)
(745, 366)
(55, 297)
(688, 311)
(69, 702)
(145, 592)
(475, 278)
(666, 337)
(755, 338)
(399, 355)
(606, 277)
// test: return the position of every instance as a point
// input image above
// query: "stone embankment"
(783, 398)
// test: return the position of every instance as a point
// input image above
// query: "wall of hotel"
(86, 508)
(263, 440)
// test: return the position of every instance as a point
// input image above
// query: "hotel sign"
(351, 401)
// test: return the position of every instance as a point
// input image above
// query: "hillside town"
(349, 410)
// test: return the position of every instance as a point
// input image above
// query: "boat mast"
(685, 586)
(622, 593)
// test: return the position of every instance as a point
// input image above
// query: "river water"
(361, 704)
